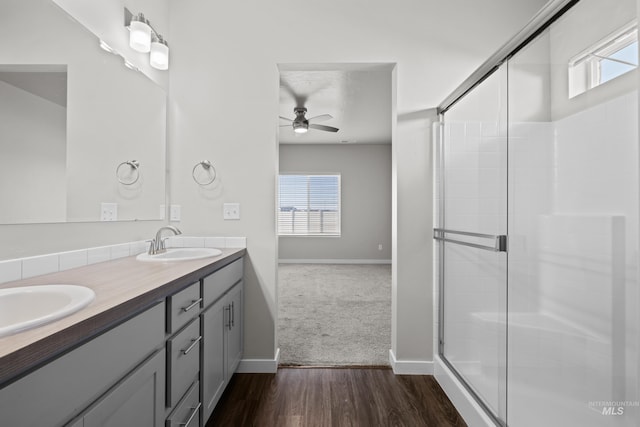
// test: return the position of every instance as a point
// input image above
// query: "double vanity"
(156, 346)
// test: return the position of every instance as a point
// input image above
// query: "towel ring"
(207, 166)
(134, 164)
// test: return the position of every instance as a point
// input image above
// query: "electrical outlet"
(231, 211)
(108, 211)
(174, 212)
(380, 247)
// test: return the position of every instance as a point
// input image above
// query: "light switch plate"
(108, 211)
(174, 213)
(231, 211)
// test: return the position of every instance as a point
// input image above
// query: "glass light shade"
(159, 57)
(140, 36)
(300, 127)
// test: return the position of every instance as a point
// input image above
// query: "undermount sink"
(30, 306)
(180, 254)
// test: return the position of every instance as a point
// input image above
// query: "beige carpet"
(334, 315)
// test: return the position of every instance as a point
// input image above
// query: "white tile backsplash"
(39, 265)
(214, 242)
(23, 268)
(235, 242)
(10, 270)
(120, 251)
(138, 247)
(73, 259)
(99, 254)
(192, 242)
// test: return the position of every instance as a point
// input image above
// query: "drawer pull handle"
(194, 303)
(233, 314)
(228, 308)
(193, 344)
(193, 414)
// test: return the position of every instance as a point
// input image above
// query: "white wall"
(365, 178)
(224, 106)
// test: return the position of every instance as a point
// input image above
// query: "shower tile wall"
(573, 293)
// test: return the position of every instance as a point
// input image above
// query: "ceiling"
(358, 96)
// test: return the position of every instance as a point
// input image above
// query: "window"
(611, 57)
(309, 205)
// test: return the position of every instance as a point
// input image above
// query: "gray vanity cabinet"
(138, 400)
(221, 330)
(213, 356)
(109, 369)
(234, 341)
(166, 366)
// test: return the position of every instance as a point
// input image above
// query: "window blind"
(309, 205)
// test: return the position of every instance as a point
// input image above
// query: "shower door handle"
(500, 240)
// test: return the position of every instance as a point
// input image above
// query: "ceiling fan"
(301, 124)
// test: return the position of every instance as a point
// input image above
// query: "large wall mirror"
(73, 119)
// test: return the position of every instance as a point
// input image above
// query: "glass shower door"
(573, 222)
(472, 229)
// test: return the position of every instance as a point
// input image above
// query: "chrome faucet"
(157, 244)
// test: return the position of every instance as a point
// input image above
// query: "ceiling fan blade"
(320, 118)
(286, 118)
(325, 128)
(286, 126)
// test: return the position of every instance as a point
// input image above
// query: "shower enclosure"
(537, 229)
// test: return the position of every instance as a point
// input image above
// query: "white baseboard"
(259, 366)
(334, 261)
(410, 367)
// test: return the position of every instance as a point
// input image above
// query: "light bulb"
(140, 35)
(159, 57)
(300, 127)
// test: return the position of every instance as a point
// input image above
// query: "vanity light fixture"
(159, 56)
(144, 38)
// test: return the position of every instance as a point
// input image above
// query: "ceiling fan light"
(300, 127)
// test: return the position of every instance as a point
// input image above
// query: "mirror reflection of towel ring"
(134, 165)
(208, 167)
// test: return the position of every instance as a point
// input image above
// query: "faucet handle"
(152, 246)
(162, 243)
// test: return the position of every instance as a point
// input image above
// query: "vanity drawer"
(187, 413)
(216, 284)
(183, 361)
(182, 307)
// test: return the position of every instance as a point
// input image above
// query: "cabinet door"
(138, 400)
(214, 321)
(234, 332)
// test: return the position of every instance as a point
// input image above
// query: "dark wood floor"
(334, 397)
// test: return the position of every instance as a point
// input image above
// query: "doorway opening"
(334, 214)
